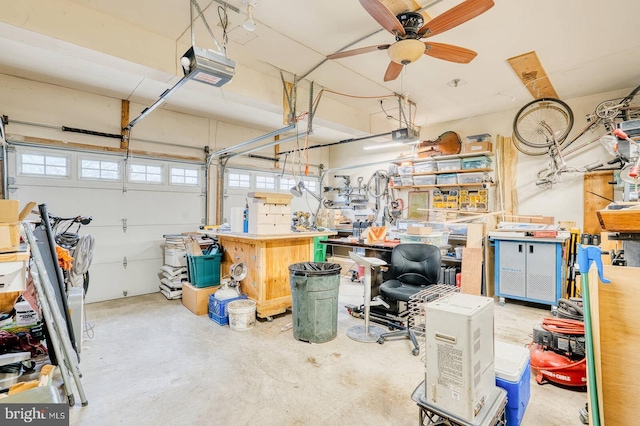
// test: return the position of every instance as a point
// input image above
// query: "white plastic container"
(25, 315)
(242, 314)
(445, 165)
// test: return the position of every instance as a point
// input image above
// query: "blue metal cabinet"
(529, 269)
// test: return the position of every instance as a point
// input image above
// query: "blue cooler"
(514, 376)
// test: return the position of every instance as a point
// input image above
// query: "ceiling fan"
(409, 27)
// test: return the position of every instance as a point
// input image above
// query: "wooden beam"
(529, 70)
(124, 121)
(287, 92)
(107, 149)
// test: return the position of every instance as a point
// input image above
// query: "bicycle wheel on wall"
(528, 150)
(533, 122)
(632, 107)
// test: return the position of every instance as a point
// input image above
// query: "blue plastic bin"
(218, 308)
(513, 374)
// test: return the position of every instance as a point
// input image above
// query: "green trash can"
(314, 290)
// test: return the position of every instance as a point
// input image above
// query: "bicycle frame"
(536, 121)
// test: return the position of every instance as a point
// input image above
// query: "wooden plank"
(529, 70)
(475, 235)
(625, 220)
(597, 195)
(619, 343)
(508, 176)
(124, 122)
(471, 271)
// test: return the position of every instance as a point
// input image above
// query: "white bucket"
(242, 314)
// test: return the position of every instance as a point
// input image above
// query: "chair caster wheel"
(380, 340)
(415, 351)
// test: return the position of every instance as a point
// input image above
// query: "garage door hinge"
(124, 262)
(124, 225)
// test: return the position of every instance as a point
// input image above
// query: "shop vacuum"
(558, 348)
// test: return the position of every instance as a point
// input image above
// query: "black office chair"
(414, 267)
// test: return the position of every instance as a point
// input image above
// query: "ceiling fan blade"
(359, 51)
(383, 16)
(449, 52)
(393, 71)
(455, 16)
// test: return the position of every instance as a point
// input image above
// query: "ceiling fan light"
(406, 51)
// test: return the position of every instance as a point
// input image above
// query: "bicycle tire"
(632, 108)
(526, 149)
(527, 124)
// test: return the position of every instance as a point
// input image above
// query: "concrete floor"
(151, 361)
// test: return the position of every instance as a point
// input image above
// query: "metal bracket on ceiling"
(312, 108)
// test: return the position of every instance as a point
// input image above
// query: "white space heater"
(459, 364)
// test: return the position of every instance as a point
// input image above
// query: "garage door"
(133, 204)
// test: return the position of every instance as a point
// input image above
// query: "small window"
(145, 173)
(239, 180)
(44, 165)
(99, 169)
(183, 176)
(286, 183)
(265, 182)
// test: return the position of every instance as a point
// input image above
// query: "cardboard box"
(197, 299)
(9, 211)
(474, 147)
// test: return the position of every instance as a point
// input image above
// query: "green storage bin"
(319, 249)
(204, 271)
(314, 291)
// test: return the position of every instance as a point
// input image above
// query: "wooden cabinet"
(267, 258)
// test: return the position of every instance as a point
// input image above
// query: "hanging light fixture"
(249, 24)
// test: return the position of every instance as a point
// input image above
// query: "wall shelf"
(446, 157)
(444, 185)
(440, 172)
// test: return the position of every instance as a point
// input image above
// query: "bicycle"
(543, 125)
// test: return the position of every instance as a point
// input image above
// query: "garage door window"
(145, 173)
(99, 169)
(239, 180)
(265, 182)
(286, 183)
(184, 176)
(44, 165)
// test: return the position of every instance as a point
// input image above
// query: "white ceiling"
(586, 47)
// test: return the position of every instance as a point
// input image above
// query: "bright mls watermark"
(34, 414)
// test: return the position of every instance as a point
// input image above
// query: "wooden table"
(267, 258)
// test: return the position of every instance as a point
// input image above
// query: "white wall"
(564, 201)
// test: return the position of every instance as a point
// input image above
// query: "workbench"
(267, 258)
